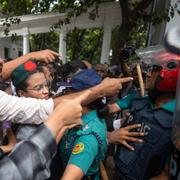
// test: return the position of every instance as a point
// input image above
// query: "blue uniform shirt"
(148, 158)
(125, 102)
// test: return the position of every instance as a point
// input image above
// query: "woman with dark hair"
(29, 81)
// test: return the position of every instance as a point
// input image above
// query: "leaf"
(172, 13)
(178, 11)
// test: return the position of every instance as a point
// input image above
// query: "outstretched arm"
(108, 87)
(44, 55)
(61, 118)
(30, 158)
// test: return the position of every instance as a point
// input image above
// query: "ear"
(21, 93)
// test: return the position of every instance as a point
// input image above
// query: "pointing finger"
(127, 79)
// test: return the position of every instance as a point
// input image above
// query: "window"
(20, 53)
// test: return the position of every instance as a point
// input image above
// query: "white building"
(10, 49)
(109, 17)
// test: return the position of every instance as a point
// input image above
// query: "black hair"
(78, 63)
(70, 68)
(4, 85)
(127, 52)
(23, 85)
(100, 107)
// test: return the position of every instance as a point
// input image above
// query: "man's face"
(101, 70)
(151, 80)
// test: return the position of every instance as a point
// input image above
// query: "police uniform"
(149, 157)
(85, 147)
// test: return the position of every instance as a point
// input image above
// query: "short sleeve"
(84, 152)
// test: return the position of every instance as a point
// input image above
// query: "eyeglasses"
(40, 87)
(172, 64)
(168, 65)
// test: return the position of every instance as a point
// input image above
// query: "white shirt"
(24, 110)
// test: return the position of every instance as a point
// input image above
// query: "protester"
(101, 69)
(29, 158)
(14, 108)
(29, 81)
(29, 110)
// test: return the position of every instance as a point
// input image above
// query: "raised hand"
(44, 55)
(67, 114)
(124, 135)
(111, 86)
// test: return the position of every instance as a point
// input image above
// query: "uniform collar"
(169, 106)
(92, 114)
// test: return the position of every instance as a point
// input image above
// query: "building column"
(106, 44)
(62, 45)
(26, 48)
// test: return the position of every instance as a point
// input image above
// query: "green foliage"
(138, 36)
(83, 44)
(45, 41)
(75, 9)
(7, 23)
(16, 7)
(87, 43)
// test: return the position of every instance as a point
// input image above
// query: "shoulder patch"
(78, 148)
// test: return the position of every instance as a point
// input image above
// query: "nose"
(45, 90)
(148, 75)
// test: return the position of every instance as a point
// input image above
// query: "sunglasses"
(173, 64)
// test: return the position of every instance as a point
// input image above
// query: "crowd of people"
(61, 121)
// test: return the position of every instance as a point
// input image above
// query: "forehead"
(36, 78)
(99, 66)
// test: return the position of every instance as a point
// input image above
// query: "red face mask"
(169, 80)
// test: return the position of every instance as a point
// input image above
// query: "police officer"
(155, 113)
(82, 149)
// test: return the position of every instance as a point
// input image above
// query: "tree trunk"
(129, 18)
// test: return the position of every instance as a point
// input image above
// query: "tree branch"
(124, 11)
(142, 5)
